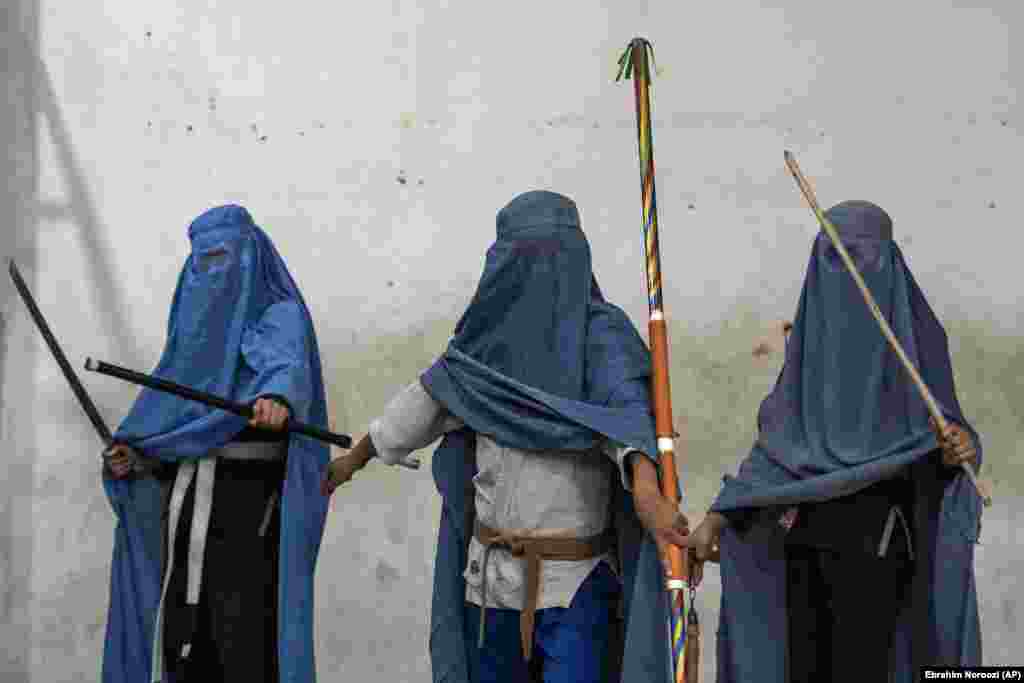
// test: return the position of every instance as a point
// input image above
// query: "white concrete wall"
(375, 142)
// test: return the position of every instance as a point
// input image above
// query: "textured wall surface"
(375, 144)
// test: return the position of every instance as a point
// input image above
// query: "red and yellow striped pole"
(685, 640)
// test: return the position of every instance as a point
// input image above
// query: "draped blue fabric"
(842, 416)
(238, 328)
(540, 361)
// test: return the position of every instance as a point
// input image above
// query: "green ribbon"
(626, 61)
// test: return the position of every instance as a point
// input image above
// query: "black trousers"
(842, 609)
(234, 629)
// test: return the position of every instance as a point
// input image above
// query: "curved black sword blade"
(69, 374)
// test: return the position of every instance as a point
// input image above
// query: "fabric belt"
(204, 471)
(895, 513)
(534, 550)
(207, 468)
(263, 451)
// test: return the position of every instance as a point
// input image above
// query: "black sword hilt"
(240, 409)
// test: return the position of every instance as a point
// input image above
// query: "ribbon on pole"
(833, 234)
(684, 629)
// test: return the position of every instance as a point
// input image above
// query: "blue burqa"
(540, 361)
(842, 416)
(238, 328)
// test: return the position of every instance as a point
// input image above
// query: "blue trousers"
(570, 642)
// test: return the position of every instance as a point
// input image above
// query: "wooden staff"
(826, 224)
(685, 651)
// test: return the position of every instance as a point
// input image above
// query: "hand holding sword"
(267, 414)
(259, 415)
(120, 459)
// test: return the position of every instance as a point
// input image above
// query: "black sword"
(69, 374)
(240, 409)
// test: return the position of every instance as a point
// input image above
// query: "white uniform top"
(543, 492)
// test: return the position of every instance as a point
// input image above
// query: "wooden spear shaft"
(685, 652)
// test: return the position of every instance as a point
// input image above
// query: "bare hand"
(662, 519)
(340, 471)
(268, 414)
(705, 541)
(769, 344)
(705, 545)
(659, 516)
(956, 444)
(120, 458)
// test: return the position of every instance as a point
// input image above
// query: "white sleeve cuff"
(411, 421)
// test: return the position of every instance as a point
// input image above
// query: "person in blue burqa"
(846, 539)
(542, 400)
(222, 588)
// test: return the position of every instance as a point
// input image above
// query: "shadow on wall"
(32, 108)
(18, 135)
(79, 208)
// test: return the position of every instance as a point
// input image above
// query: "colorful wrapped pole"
(830, 230)
(685, 641)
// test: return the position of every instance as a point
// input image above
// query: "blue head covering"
(529, 315)
(238, 328)
(233, 275)
(540, 361)
(842, 416)
(539, 330)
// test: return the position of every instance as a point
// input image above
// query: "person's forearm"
(645, 476)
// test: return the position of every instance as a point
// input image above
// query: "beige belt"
(534, 551)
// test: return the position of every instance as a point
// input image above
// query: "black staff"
(241, 409)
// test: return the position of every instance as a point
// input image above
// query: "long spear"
(685, 648)
(826, 224)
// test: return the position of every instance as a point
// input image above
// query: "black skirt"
(233, 630)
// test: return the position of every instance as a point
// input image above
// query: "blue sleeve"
(276, 349)
(635, 394)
